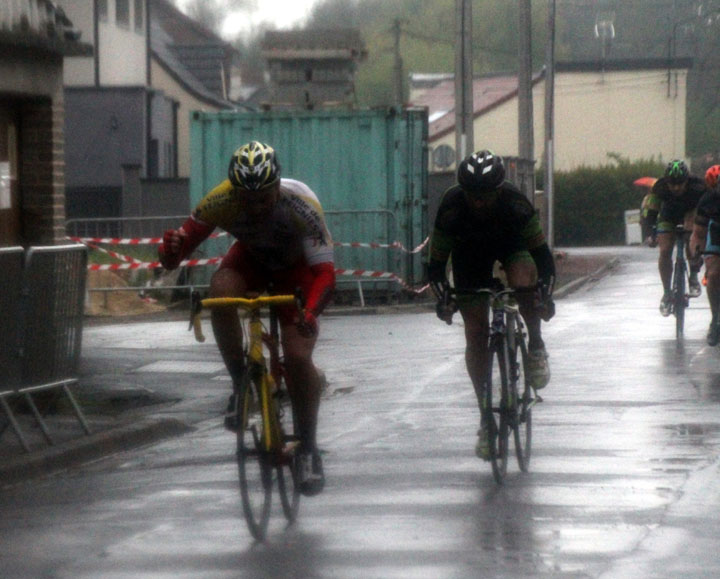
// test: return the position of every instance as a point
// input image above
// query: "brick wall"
(41, 168)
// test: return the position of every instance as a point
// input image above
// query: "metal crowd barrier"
(42, 311)
(381, 224)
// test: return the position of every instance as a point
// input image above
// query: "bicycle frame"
(258, 366)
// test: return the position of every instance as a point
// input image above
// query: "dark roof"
(161, 47)
(181, 28)
(205, 63)
(195, 56)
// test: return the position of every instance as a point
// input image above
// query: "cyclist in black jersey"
(705, 240)
(481, 220)
(679, 193)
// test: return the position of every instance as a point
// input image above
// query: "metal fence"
(378, 227)
(42, 307)
(131, 227)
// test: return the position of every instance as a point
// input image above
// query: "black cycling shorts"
(474, 269)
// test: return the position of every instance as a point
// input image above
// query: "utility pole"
(550, 125)
(525, 110)
(464, 142)
(398, 66)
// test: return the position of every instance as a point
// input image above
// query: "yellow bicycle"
(267, 444)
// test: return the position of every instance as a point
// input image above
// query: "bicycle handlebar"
(250, 304)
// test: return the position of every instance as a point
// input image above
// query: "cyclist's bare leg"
(523, 274)
(226, 325)
(712, 271)
(477, 330)
(688, 222)
(303, 382)
(694, 262)
(666, 242)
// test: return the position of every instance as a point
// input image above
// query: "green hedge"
(590, 202)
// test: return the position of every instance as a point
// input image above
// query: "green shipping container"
(368, 168)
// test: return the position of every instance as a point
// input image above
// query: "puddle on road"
(694, 434)
(708, 386)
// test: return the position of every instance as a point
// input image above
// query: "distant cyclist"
(481, 220)
(705, 240)
(679, 193)
(281, 239)
(649, 209)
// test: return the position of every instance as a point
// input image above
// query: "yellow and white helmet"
(254, 166)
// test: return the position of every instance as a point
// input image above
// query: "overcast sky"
(282, 13)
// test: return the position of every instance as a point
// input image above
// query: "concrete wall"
(122, 50)
(629, 113)
(107, 128)
(104, 129)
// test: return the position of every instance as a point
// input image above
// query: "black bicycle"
(508, 399)
(680, 298)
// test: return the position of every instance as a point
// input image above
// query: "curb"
(576, 284)
(88, 448)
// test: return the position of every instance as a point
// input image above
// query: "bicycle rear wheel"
(495, 417)
(254, 463)
(522, 396)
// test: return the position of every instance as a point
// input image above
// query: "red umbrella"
(645, 182)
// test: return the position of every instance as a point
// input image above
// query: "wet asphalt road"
(624, 480)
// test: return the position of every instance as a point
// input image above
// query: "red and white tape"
(151, 264)
(158, 240)
(129, 240)
(130, 263)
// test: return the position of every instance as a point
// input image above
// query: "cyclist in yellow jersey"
(281, 240)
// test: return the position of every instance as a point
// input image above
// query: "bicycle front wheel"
(523, 397)
(254, 462)
(679, 298)
(287, 469)
(495, 416)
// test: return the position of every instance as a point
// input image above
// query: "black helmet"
(254, 166)
(481, 172)
(677, 171)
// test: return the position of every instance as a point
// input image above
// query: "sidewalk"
(124, 413)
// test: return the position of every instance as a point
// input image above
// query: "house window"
(102, 7)
(122, 12)
(139, 15)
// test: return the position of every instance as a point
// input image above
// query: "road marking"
(188, 367)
